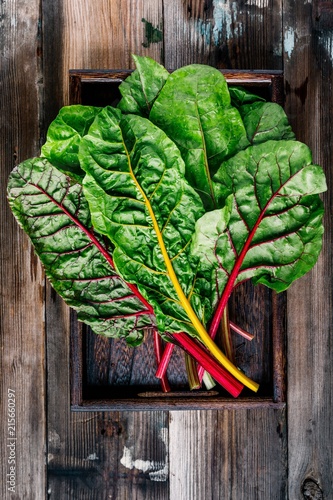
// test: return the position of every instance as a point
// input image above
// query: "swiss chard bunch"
(148, 215)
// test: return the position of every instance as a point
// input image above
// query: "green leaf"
(139, 198)
(271, 228)
(240, 96)
(265, 121)
(64, 136)
(210, 244)
(141, 88)
(194, 110)
(55, 215)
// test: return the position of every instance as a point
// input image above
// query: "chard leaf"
(194, 110)
(141, 88)
(240, 96)
(55, 215)
(265, 121)
(270, 228)
(64, 135)
(139, 198)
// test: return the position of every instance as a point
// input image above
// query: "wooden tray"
(106, 374)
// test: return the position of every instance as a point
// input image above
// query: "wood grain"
(203, 463)
(98, 455)
(178, 50)
(22, 331)
(309, 103)
(214, 454)
(230, 454)
(224, 34)
(107, 36)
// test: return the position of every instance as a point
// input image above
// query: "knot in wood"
(311, 490)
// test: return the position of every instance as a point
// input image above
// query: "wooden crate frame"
(83, 85)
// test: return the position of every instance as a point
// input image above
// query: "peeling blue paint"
(289, 41)
(223, 26)
(224, 15)
(205, 29)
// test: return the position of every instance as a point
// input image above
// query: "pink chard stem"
(241, 331)
(233, 276)
(99, 246)
(158, 353)
(164, 361)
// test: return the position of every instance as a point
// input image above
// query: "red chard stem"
(164, 361)
(158, 352)
(220, 374)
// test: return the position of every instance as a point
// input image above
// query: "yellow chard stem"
(204, 336)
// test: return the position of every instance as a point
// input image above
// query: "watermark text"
(11, 440)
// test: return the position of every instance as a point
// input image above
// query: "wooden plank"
(224, 454)
(97, 455)
(240, 454)
(224, 34)
(22, 337)
(308, 67)
(54, 87)
(107, 36)
(110, 455)
(309, 73)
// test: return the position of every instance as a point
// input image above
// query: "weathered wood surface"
(308, 55)
(236, 454)
(224, 34)
(22, 328)
(106, 36)
(216, 454)
(100, 455)
(83, 53)
(219, 36)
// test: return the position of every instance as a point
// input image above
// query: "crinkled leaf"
(210, 244)
(141, 88)
(55, 215)
(140, 199)
(64, 136)
(194, 110)
(270, 229)
(265, 121)
(240, 96)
